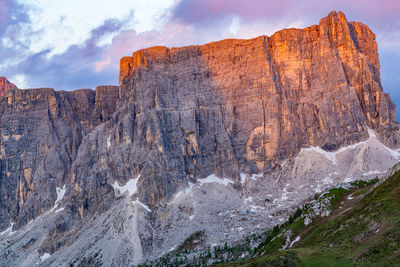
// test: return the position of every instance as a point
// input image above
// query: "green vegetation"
(360, 227)
(191, 242)
(188, 253)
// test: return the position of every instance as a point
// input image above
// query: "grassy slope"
(363, 231)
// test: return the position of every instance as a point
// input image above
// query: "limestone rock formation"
(247, 105)
(5, 85)
(41, 131)
(137, 165)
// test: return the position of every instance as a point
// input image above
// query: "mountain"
(244, 106)
(5, 85)
(223, 139)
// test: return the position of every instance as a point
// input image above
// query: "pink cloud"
(129, 41)
(208, 11)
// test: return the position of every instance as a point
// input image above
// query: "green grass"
(363, 231)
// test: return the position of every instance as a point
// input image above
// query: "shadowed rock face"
(5, 85)
(223, 108)
(41, 131)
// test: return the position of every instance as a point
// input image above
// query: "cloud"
(71, 69)
(37, 51)
(177, 34)
(12, 14)
(14, 31)
(382, 16)
(209, 11)
(129, 41)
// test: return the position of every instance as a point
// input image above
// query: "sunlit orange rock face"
(5, 85)
(246, 105)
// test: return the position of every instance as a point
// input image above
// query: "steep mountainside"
(247, 105)
(224, 138)
(41, 131)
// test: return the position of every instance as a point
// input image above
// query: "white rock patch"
(60, 209)
(8, 230)
(129, 187)
(186, 191)
(60, 196)
(248, 199)
(45, 256)
(294, 241)
(109, 141)
(255, 176)
(373, 172)
(214, 179)
(332, 155)
(137, 201)
(242, 178)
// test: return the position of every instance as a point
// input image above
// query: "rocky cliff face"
(5, 85)
(41, 131)
(133, 158)
(247, 105)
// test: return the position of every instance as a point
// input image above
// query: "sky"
(78, 43)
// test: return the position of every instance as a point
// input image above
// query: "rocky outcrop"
(41, 131)
(247, 105)
(5, 85)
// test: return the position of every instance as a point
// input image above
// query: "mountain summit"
(198, 146)
(5, 85)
